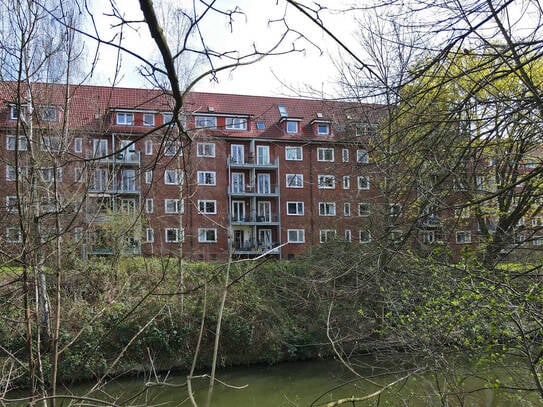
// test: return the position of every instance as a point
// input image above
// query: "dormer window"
(205, 122)
(236, 123)
(323, 129)
(49, 114)
(282, 110)
(16, 112)
(291, 126)
(125, 119)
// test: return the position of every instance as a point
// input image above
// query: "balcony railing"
(253, 162)
(255, 248)
(123, 158)
(255, 219)
(249, 190)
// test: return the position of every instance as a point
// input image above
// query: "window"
(362, 157)
(206, 235)
(293, 153)
(11, 174)
(326, 181)
(323, 129)
(172, 235)
(99, 147)
(296, 235)
(428, 237)
(125, 119)
(10, 143)
(148, 147)
(295, 208)
(173, 206)
(366, 129)
(348, 235)
(171, 148)
(148, 176)
(326, 235)
(346, 182)
(463, 237)
(205, 150)
(15, 112)
(363, 182)
(282, 110)
(209, 207)
(325, 154)
(295, 180)
(149, 235)
(396, 235)
(537, 221)
(172, 177)
(260, 125)
(48, 114)
(208, 122)
(291, 126)
(394, 209)
(345, 155)
(13, 235)
(263, 155)
(149, 205)
(148, 119)
(78, 233)
(236, 123)
(537, 241)
(47, 174)
(364, 236)
(346, 209)
(363, 209)
(167, 118)
(462, 213)
(327, 208)
(78, 174)
(78, 145)
(207, 178)
(12, 204)
(50, 143)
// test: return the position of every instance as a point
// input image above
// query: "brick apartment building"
(103, 167)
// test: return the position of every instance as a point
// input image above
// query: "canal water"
(312, 383)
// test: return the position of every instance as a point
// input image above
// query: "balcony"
(113, 190)
(256, 248)
(128, 158)
(254, 162)
(272, 220)
(249, 190)
(432, 221)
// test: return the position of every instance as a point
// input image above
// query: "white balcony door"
(99, 147)
(237, 151)
(264, 211)
(128, 150)
(238, 182)
(264, 183)
(263, 155)
(265, 238)
(238, 210)
(128, 180)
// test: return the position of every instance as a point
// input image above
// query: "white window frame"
(11, 140)
(326, 235)
(149, 205)
(323, 129)
(327, 209)
(205, 150)
(466, 239)
(345, 155)
(49, 114)
(12, 204)
(148, 147)
(205, 122)
(326, 181)
(325, 154)
(78, 145)
(13, 234)
(296, 236)
(364, 213)
(236, 123)
(124, 119)
(149, 235)
(173, 206)
(298, 207)
(78, 175)
(346, 181)
(366, 180)
(348, 235)
(394, 209)
(171, 148)
(203, 206)
(361, 234)
(203, 237)
(175, 231)
(207, 178)
(148, 119)
(293, 153)
(51, 144)
(294, 180)
(362, 157)
(346, 209)
(291, 126)
(172, 177)
(428, 236)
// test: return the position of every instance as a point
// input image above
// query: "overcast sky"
(297, 70)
